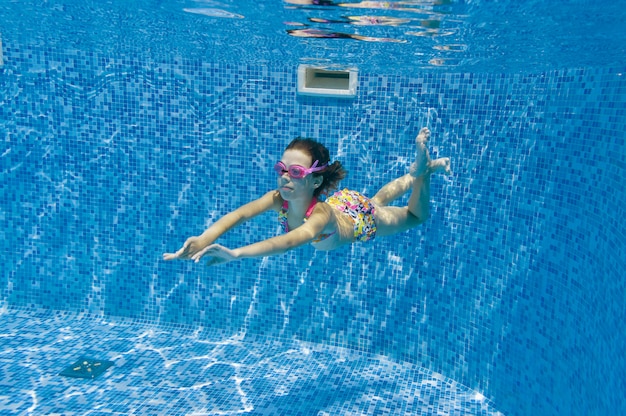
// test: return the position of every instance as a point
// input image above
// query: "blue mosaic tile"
(169, 371)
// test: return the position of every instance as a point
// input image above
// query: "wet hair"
(333, 173)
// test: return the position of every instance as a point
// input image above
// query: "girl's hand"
(219, 254)
(192, 247)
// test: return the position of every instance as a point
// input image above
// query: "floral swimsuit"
(357, 206)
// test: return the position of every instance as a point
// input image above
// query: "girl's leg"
(393, 190)
(398, 187)
(419, 201)
(392, 220)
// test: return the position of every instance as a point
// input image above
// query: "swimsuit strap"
(282, 215)
(309, 210)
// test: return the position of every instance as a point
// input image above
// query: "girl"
(304, 173)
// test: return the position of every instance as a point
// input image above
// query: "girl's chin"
(285, 192)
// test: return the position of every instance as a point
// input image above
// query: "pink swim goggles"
(297, 171)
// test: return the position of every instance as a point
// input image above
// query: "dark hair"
(333, 173)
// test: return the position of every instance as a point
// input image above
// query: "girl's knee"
(414, 219)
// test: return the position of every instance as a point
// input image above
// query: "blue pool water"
(128, 126)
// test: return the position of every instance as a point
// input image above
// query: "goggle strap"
(316, 168)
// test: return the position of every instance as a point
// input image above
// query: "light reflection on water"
(388, 37)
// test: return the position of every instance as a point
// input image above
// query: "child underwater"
(304, 174)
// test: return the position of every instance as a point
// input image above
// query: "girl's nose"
(283, 179)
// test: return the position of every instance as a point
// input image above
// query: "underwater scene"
(130, 126)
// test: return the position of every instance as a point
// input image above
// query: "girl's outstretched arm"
(197, 244)
(272, 246)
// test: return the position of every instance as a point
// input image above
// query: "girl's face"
(291, 188)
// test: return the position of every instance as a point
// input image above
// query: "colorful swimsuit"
(357, 206)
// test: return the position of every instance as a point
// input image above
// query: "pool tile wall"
(514, 287)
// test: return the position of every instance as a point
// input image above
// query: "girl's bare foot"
(440, 165)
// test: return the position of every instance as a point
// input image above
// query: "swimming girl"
(304, 173)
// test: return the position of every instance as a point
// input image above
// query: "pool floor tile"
(170, 371)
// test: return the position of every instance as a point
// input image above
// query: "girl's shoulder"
(274, 199)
